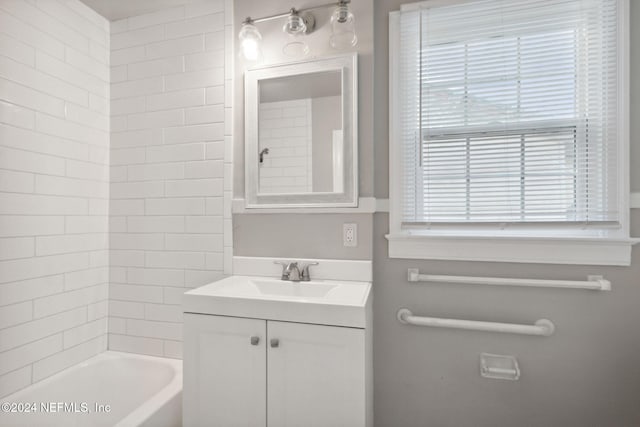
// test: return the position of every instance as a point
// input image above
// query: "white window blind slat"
(508, 113)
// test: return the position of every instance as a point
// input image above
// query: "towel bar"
(597, 283)
(542, 327)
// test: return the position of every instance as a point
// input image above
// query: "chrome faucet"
(292, 273)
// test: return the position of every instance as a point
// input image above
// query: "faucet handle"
(306, 276)
(285, 269)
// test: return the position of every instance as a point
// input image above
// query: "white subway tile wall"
(170, 213)
(285, 130)
(54, 188)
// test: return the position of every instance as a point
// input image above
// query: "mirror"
(300, 133)
(300, 129)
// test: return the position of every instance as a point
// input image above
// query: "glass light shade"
(295, 25)
(250, 41)
(343, 30)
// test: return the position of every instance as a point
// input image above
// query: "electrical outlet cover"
(350, 235)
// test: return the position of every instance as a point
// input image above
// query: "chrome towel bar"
(596, 283)
(542, 327)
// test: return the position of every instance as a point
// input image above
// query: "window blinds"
(508, 112)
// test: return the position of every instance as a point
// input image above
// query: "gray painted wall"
(300, 236)
(586, 375)
(635, 95)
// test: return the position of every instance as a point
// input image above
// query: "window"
(509, 127)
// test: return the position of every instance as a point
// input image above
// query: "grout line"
(52, 36)
(73, 12)
(54, 274)
(61, 214)
(163, 26)
(159, 76)
(61, 332)
(186, 107)
(66, 82)
(53, 253)
(51, 95)
(40, 132)
(96, 338)
(84, 197)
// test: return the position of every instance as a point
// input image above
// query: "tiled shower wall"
(285, 129)
(54, 190)
(168, 207)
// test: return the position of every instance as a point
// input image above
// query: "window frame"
(531, 244)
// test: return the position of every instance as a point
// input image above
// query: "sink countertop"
(328, 302)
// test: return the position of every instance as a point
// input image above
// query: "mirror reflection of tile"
(301, 145)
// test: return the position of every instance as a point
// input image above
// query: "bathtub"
(140, 391)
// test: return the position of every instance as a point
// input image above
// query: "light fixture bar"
(287, 13)
(266, 18)
(299, 22)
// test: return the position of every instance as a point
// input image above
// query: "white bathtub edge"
(172, 391)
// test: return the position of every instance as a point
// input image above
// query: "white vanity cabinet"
(252, 372)
(263, 352)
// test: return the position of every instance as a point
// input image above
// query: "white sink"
(329, 302)
(293, 290)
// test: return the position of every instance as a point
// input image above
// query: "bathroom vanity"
(261, 351)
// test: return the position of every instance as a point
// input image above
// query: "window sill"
(579, 251)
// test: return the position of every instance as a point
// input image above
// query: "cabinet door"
(316, 376)
(224, 371)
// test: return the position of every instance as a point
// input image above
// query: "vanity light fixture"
(296, 26)
(250, 41)
(300, 22)
(343, 30)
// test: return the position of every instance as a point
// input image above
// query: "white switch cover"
(350, 235)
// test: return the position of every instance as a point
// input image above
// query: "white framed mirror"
(301, 134)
